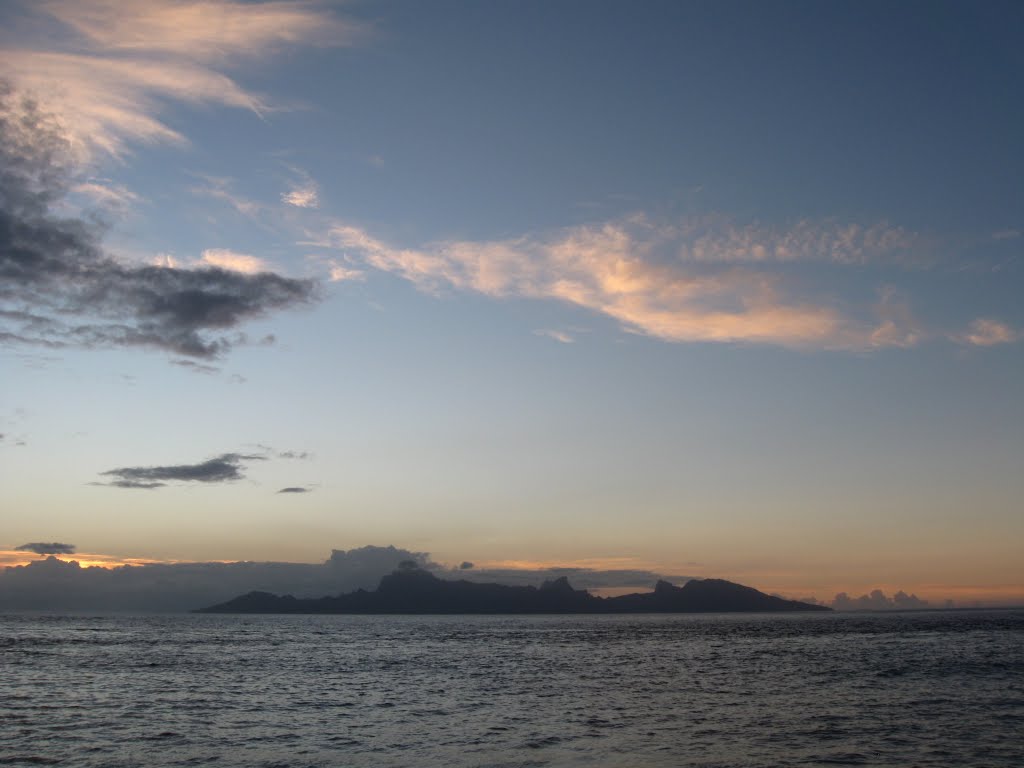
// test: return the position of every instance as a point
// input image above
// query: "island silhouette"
(412, 589)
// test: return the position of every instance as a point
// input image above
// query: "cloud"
(112, 80)
(560, 336)
(47, 548)
(206, 30)
(1006, 234)
(339, 272)
(303, 195)
(301, 455)
(986, 332)
(58, 288)
(630, 270)
(878, 601)
(896, 325)
(234, 261)
(295, 489)
(221, 469)
(106, 193)
(105, 103)
(219, 188)
(718, 239)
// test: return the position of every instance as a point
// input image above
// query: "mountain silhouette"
(415, 590)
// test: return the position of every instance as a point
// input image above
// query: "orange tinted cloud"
(619, 269)
(110, 85)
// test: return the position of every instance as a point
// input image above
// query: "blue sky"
(726, 289)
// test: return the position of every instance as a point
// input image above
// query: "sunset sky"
(723, 289)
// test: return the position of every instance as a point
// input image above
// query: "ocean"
(896, 689)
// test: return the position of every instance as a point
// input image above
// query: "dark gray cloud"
(58, 288)
(220, 469)
(295, 455)
(295, 489)
(47, 548)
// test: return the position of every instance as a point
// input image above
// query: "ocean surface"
(911, 689)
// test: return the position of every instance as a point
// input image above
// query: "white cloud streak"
(559, 336)
(340, 273)
(210, 30)
(620, 269)
(219, 188)
(106, 193)
(106, 103)
(113, 82)
(986, 332)
(234, 261)
(305, 195)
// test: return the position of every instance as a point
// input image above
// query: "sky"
(717, 289)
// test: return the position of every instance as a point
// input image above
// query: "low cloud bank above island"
(879, 601)
(54, 584)
(63, 585)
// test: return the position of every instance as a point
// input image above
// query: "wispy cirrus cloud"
(987, 332)
(206, 30)
(234, 261)
(106, 193)
(220, 188)
(112, 79)
(560, 336)
(304, 194)
(644, 275)
(105, 103)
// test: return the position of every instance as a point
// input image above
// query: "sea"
(887, 689)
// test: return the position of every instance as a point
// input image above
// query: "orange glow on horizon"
(12, 558)
(591, 563)
(963, 595)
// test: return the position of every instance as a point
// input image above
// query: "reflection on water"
(927, 689)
